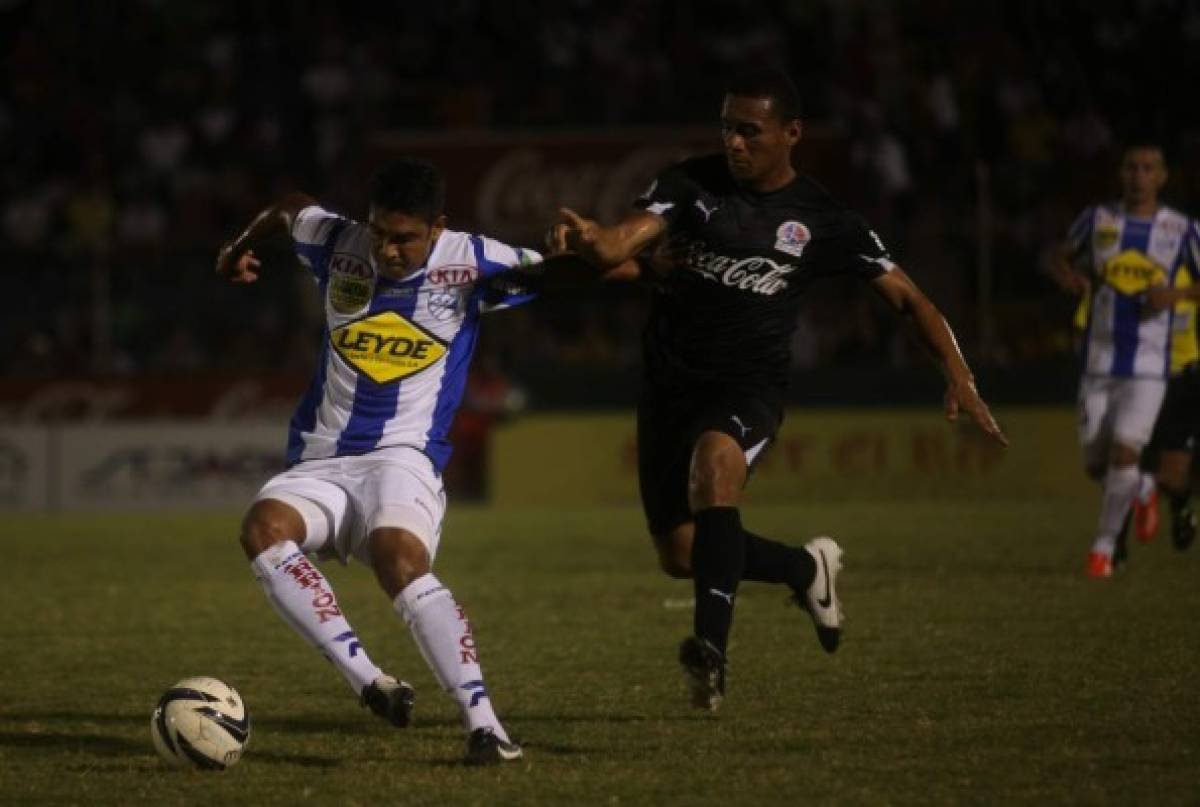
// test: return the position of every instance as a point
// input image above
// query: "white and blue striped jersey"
(395, 353)
(1126, 256)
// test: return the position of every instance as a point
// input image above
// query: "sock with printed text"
(718, 560)
(1120, 489)
(303, 597)
(443, 634)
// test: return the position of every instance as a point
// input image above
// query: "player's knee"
(1123, 456)
(717, 472)
(269, 522)
(1174, 470)
(398, 557)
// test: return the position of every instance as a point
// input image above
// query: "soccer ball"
(200, 723)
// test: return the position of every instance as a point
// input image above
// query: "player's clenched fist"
(240, 266)
(572, 233)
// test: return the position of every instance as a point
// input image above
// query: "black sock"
(718, 558)
(1179, 501)
(769, 561)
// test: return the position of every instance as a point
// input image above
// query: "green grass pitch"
(979, 666)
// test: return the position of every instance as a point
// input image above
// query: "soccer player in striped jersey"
(366, 447)
(1125, 257)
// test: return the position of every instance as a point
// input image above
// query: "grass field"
(979, 667)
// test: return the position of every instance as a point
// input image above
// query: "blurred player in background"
(1168, 460)
(366, 446)
(1126, 259)
(744, 235)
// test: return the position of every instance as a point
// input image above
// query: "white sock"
(1146, 486)
(443, 634)
(303, 597)
(1120, 488)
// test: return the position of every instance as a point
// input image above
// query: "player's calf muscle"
(675, 551)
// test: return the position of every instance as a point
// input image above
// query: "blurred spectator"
(144, 132)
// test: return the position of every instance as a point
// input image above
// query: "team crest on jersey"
(1106, 238)
(1131, 272)
(442, 304)
(792, 237)
(351, 283)
(386, 347)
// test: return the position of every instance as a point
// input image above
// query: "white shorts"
(1117, 410)
(342, 499)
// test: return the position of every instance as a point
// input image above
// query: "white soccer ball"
(200, 723)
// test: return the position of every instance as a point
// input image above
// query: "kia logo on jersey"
(343, 263)
(453, 275)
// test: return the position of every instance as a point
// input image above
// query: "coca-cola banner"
(511, 186)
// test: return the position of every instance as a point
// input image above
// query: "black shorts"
(1178, 422)
(668, 427)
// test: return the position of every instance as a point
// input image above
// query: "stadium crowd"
(139, 134)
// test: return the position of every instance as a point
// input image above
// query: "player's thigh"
(1137, 404)
(664, 447)
(322, 504)
(399, 490)
(746, 417)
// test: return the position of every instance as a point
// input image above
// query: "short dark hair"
(768, 83)
(1144, 141)
(411, 186)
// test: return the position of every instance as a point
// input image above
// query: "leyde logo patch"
(386, 347)
(792, 237)
(1131, 272)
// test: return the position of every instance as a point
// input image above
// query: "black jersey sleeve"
(854, 249)
(671, 193)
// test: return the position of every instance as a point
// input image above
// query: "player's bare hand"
(1077, 284)
(237, 267)
(1159, 298)
(574, 233)
(962, 396)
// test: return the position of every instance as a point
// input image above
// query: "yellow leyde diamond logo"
(386, 347)
(1131, 272)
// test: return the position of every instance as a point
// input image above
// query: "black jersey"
(726, 314)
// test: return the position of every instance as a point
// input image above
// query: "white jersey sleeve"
(494, 257)
(1080, 235)
(315, 230)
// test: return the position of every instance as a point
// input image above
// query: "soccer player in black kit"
(748, 234)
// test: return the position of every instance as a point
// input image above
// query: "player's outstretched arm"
(1160, 298)
(236, 259)
(605, 247)
(898, 289)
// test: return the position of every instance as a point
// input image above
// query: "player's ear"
(439, 224)
(793, 130)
